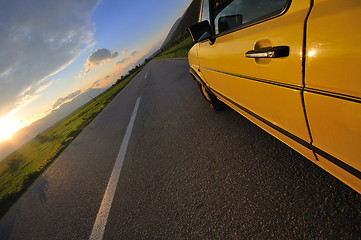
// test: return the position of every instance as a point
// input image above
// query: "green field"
(20, 169)
(179, 50)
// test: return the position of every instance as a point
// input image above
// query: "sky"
(52, 51)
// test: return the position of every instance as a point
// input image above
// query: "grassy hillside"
(19, 170)
(190, 17)
(178, 51)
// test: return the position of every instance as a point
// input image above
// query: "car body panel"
(305, 151)
(310, 100)
(336, 127)
(333, 52)
(257, 84)
(271, 102)
(333, 86)
(193, 58)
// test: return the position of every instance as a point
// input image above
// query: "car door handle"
(269, 52)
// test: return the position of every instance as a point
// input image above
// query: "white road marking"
(146, 74)
(102, 217)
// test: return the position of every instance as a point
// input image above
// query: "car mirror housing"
(201, 31)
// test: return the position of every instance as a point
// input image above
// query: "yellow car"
(291, 67)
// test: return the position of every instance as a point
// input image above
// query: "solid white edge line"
(102, 216)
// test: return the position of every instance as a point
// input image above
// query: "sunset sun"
(7, 129)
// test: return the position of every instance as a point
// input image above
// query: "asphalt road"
(188, 173)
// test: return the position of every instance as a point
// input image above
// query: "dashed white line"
(146, 74)
(102, 217)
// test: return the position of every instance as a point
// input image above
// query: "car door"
(333, 86)
(237, 68)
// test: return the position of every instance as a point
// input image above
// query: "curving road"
(181, 171)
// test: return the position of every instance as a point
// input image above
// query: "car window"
(229, 14)
(205, 11)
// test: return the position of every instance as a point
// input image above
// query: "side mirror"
(201, 31)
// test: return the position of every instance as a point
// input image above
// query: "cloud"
(33, 90)
(134, 53)
(106, 77)
(37, 40)
(68, 98)
(99, 57)
(124, 51)
(122, 61)
(80, 75)
(96, 84)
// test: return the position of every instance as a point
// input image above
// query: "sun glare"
(7, 129)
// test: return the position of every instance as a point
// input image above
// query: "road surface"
(184, 172)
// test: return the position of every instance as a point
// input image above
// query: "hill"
(172, 30)
(190, 16)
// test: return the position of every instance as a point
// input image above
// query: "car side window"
(230, 14)
(205, 11)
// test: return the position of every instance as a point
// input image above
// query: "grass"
(179, 50)
(21, 168)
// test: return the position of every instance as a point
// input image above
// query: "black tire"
(211, 99)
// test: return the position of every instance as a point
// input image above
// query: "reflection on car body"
(291, 67)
